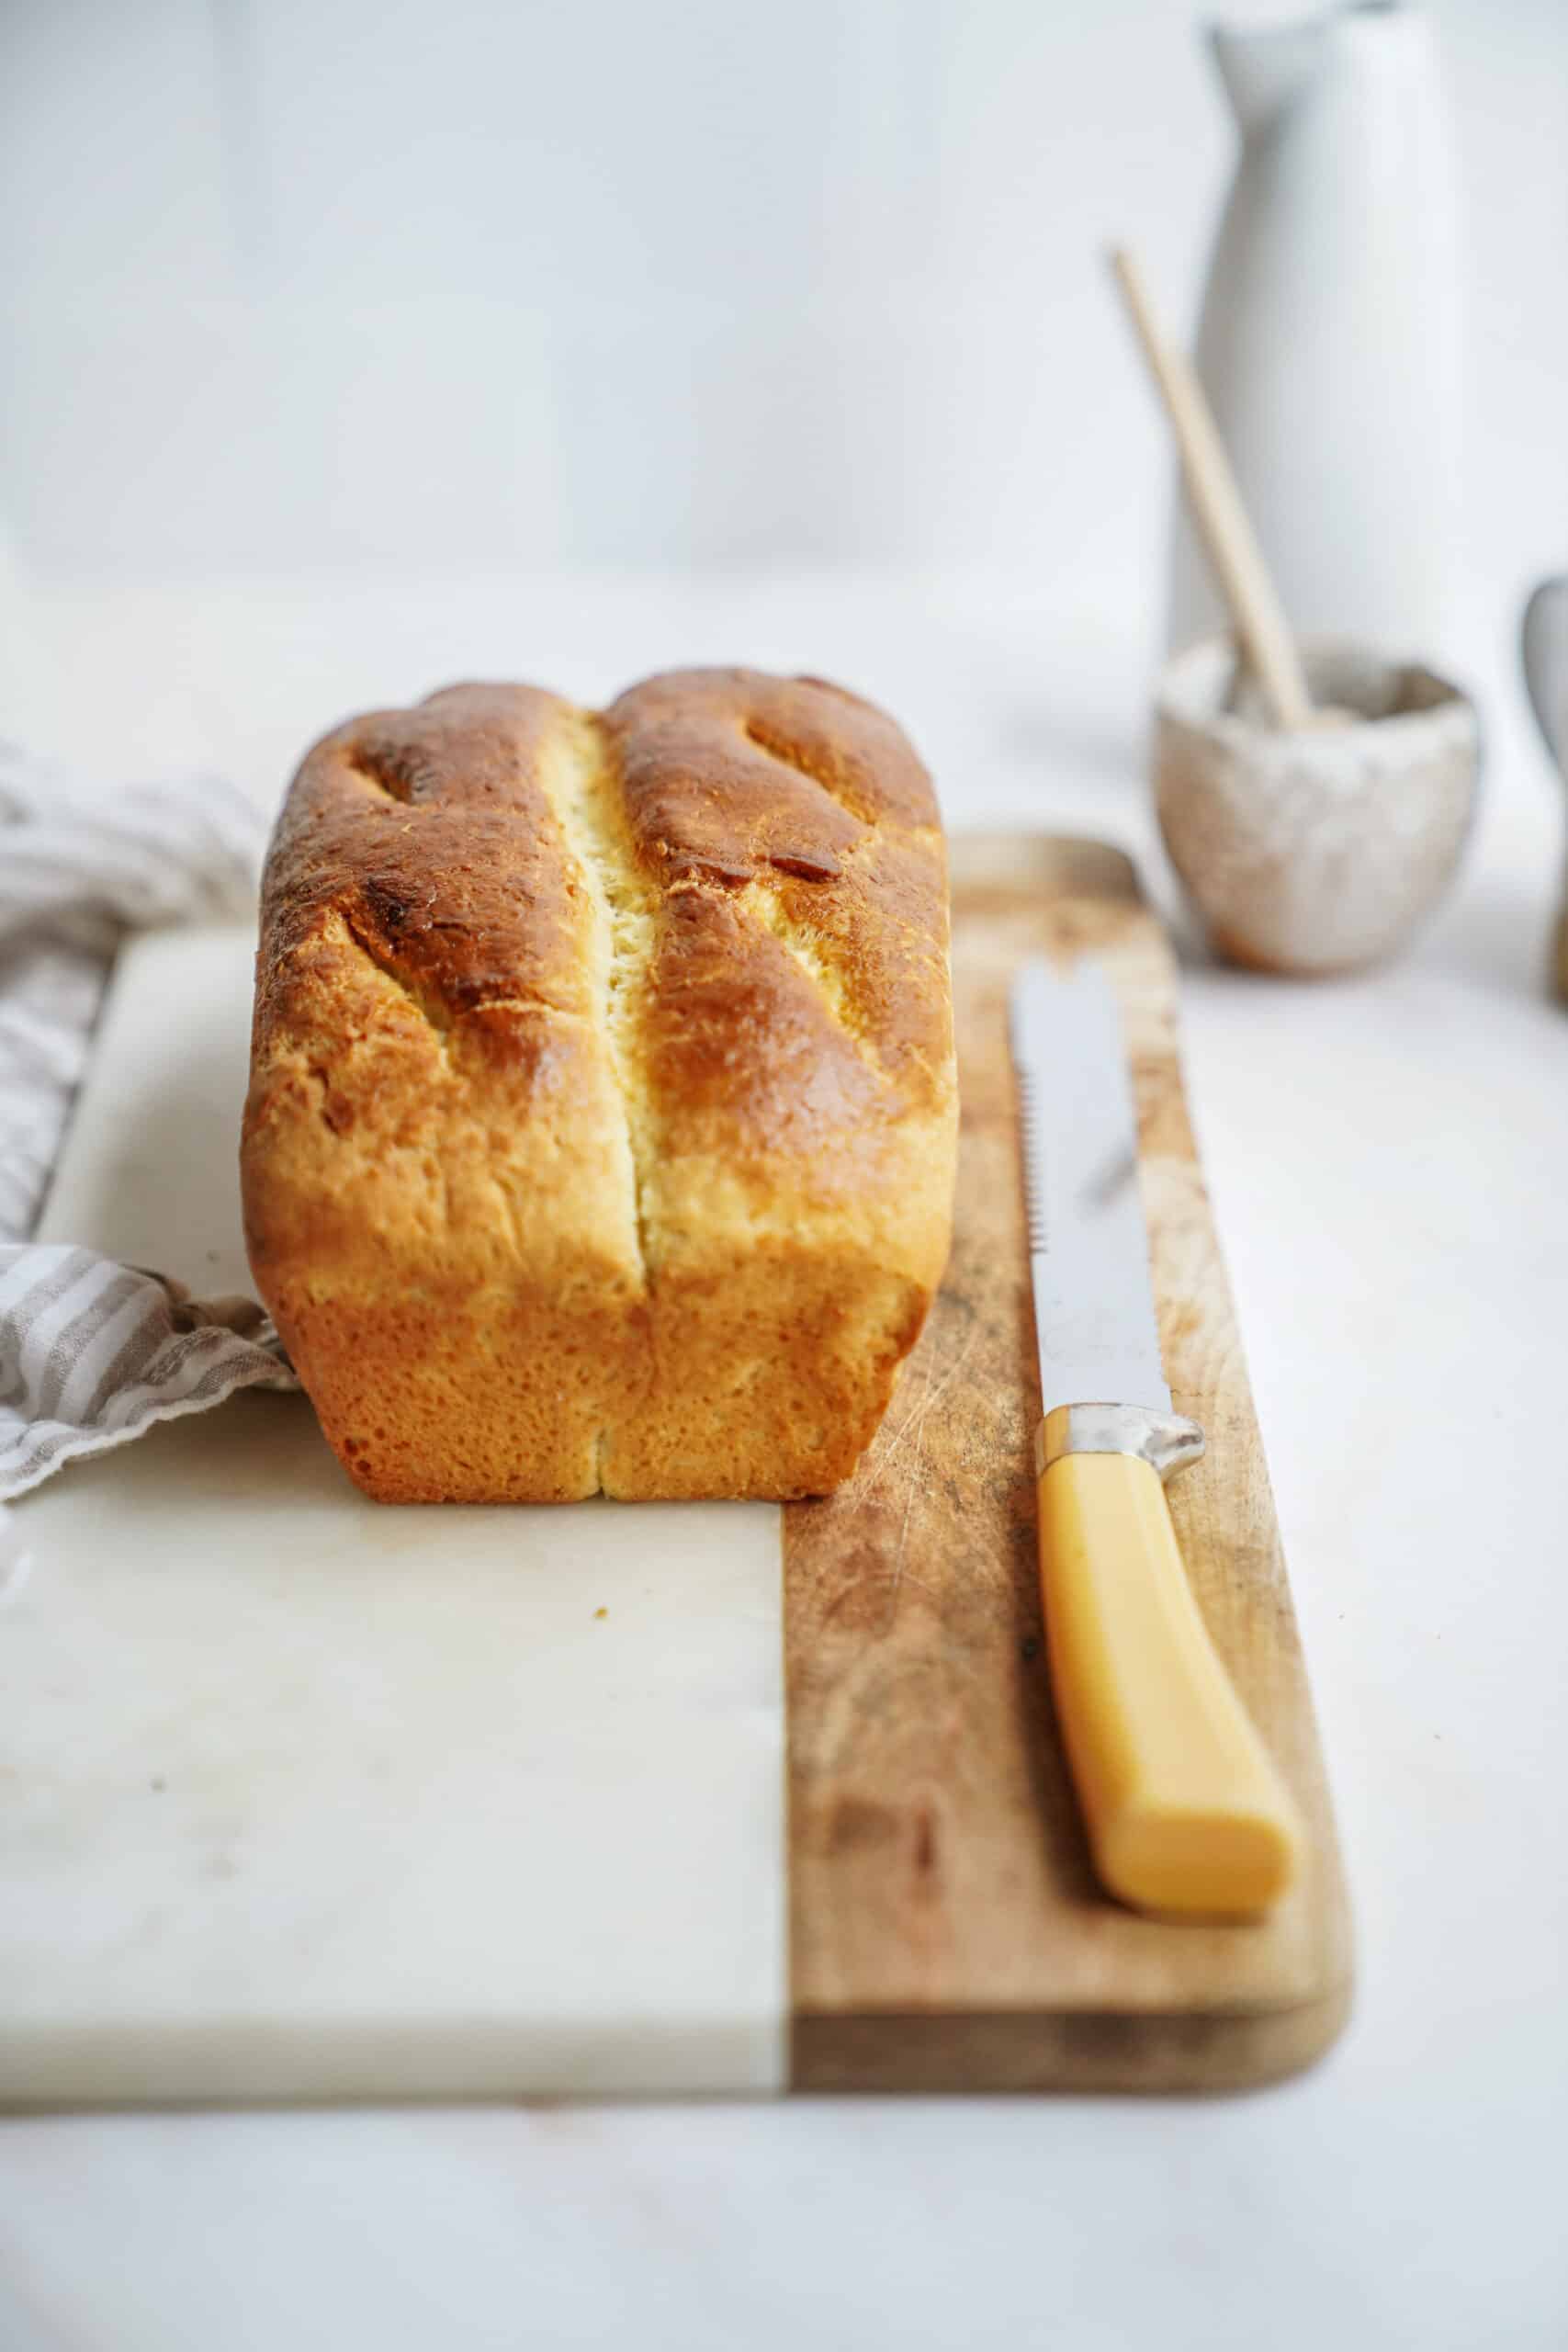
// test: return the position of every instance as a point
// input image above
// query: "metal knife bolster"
(1166, 1441)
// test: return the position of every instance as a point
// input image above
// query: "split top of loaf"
(602, 1120)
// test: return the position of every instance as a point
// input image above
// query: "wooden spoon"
(1262, 631)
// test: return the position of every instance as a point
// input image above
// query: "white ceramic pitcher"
(1329, 339)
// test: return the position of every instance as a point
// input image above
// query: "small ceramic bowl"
(1316, 852)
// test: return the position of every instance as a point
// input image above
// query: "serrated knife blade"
(1088, 1254)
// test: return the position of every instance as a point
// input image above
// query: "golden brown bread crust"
(602, 1119)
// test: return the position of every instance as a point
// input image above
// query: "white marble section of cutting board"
(306, 1796)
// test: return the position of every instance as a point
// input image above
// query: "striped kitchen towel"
(92, 1352)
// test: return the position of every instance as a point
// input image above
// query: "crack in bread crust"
(809, 760)
(584, 790)
(808, 950)
(430, 1006)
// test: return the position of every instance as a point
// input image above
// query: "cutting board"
(946, 1931)
(311, 1798)
(301, 1796)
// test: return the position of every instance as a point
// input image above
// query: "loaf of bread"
(601, 1122)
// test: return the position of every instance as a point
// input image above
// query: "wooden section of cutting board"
(946, 1931)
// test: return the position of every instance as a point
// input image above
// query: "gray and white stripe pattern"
(92, 1352)
(79, 868)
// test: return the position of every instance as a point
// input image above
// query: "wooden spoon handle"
(1260, 625)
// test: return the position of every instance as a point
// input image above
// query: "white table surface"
(1388, 1157)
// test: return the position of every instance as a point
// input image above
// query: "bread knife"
(1184, 1810)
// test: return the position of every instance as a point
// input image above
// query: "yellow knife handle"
(1184, 1810)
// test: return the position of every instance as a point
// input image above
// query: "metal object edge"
(1166, 1441)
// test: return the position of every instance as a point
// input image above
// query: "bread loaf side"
(602, 1123)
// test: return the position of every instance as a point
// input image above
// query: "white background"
(289, 282)
(350, 349)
